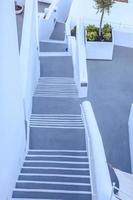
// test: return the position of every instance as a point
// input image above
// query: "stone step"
(51, 194)
(56, 81)
(53, 186)
(49, 105)
(56, 121)
(57, 152)
(56, 65)
(48, 46)
(57, 138)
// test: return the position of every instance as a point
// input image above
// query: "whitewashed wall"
(63, 10)
(58, 11)
(102, 182)
(123, 37)
(46, 26)
(29, 56)
(77, 48)
(12, 127)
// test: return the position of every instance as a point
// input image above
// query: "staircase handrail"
(81, 56)
(101, 179)
(130, 197)
(47, 21)
(76, 47)
(29, 55)
(52, 8)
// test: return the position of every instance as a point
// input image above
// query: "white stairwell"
(61, 162)
(57, 163)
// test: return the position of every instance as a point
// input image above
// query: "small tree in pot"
(103, 6)
(99, 40)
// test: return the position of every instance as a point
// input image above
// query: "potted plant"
(73, 31)
(100, 40)
(18, 8)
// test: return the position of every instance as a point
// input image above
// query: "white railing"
(76, 47)
(75, 60)
(58, 11)
(52, 9)
(100, 172)
(29, 56)
(12, 127)
(68, 34)
(114, 24)
(72, 48)
(63, 10)
(47, 24)
(130, 127)
(81, 56)
(121, 194)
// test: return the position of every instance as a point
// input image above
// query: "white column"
(12, 128)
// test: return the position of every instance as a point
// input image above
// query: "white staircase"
(56, 87)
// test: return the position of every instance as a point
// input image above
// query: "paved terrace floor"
(111, 94)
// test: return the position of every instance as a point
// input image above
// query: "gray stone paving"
(111, 94)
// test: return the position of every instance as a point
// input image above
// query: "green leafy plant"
(103, 6)
(91, 28)
(106, 28)
(91, 36)
(73, 31)
(106, 32)
(91, 32)
(107, 36)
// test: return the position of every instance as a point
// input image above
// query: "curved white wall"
(12, 128)
(63, 10)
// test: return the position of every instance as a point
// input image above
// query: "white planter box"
(100, 50)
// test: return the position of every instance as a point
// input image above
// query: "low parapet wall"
(95, 145)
